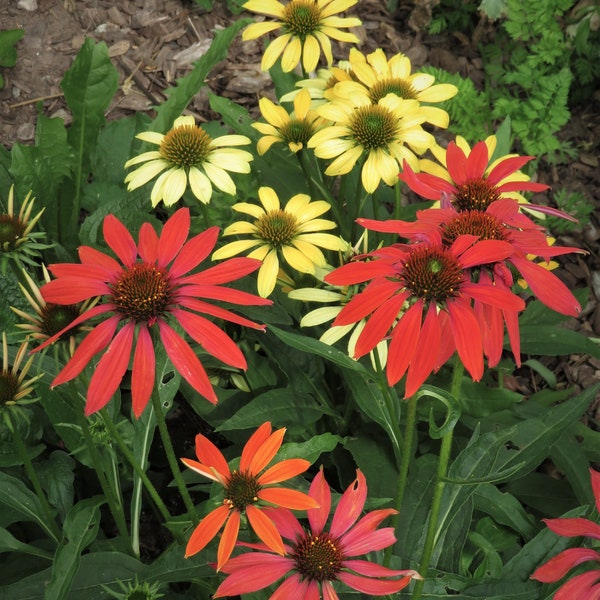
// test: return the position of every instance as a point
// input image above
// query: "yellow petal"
(298, 260)
(291, 54)
(268, 198)
(316, 295)
(200, 185)
(240, 228)
(255, 30)
(370, 174)
(233, 248)
(173, 186)
(310, 53)
(331, 336)
(230, 140)
(249, 209)
(264, 143)
(231, 159)
(276, 115)
(274, 50)
(438, 93)
(220, 178)
(324, 240)
(267, 274)
(343, 164)
(302, 104)
(145, 173)
(152, 155)
(273, 8)
(326, 45)
(310, 252)
(151, 137)
(320, 316)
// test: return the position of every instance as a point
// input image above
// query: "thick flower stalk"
(188, 155)
(318, 557)
(306, 27)
(294, 232)
(586, 585)
(148, 287)
(293, 130)
(421, 296)
(246, 489)
(377, 76)
(385, 134)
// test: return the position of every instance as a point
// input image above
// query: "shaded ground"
(153, 42)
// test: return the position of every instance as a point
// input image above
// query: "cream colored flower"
(307, 26)
(187, 154)
(293, 232)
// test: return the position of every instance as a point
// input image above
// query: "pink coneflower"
(421, 295)
(150, 286)
(316, 558)
(585, 586)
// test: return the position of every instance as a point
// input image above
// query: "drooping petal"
(350, 506)
(206, 530)
(467, 337)
(228, 538)
(374, 587)
(558, 566)
(265, 529)
(143, 371)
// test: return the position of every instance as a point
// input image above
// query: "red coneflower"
(150, 286)
(317, 558)
(421, 295)
(245, 487)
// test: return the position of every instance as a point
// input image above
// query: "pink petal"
(186, 362)
(254, 578)
(578, 587)
(375, 541)
(374, 587)
(288, 526)
(329, 592)
(595, 479)
(477, 161)
(148, 244)
(173, 236)
(357, 540)
(110, 370)
(365, 567)
(119, 240)
(194, 252)
(350, 506)
(507, 166)
(94, 342)
(558, 566)
(320, 491)
(467, 337)
(574, 527)
(456, 163)
(293, 588)
(404, 341)
(143, 371)
(211, 338)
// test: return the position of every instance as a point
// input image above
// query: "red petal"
(578, 587)
(194, 252)
(265, 529)
(110, 370)
(206, 530)
(217, 311)
(119, 240)
(404, 341)
(70, 290)
(256, 440)
(229, 270)
(374, 587)
(364, 567)
(456, 163)
(558, 566)
(320, 491)
(228, 538)
(143, 372)
(93, 257)
(507, 166)
(94, 342)
(211, 456)
(186, 362)
(595, 478)
(477, 161)
(363, 304)
(225, 294)
(426, 185)
(148, 244)
(358, 272)
(495, 295)
(484, 252)
(526, 186)
(467, 337)
(288, 526)
(403, 228)
(350, 506)
(574, 527)
(173, 236)
(360, 539)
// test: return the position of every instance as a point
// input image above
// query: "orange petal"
(265, 529)
(291, 499)
(286, 469)
(206, 530)
(211, 456)
(257, 439)
(205, 471)
(264, 455)
(228, 539)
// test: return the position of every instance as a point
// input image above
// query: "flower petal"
(206, 530)
(143, 371)
(265, 529)
(228, 538)
(350, 506)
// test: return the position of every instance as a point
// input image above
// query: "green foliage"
(8, 52)
(575, 204)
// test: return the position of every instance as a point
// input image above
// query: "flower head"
(293, 130)
(377, 76)
(187, 154)
(466, 179)
(48, 319)
(293, 231)
(387, 134)
(18, 241)
(307, 28)
(14, 387)
(316, 558)
(421, 295)
(147, 289)
(585, 586)
(244, 488)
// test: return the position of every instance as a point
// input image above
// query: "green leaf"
(283, 407)
(80, 529)
(188, 86)
(57, 476)
(310, 449)
(542, 340)
(8, 543)
(494, 9)
(8, 52)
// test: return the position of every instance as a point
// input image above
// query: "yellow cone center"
(399, 87)
(474, 222)
(186, 146)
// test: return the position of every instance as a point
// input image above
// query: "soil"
(154, 42)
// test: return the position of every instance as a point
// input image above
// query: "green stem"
(51, 527)
(436, 504)
(205, 214)
(114, 503)
(168, 446)
(399, 200)
(407, 442)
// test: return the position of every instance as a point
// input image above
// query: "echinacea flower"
(586, 585)
(387, 134)
(307, 26)
(293, 130)
(150, 287)
(378, 76)
(48, 319)
(18, 241)
(188, 154)
(318, 557)
(465, 178)
(244, 488)
(421, 296)
(14, 387)
(294, 231)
